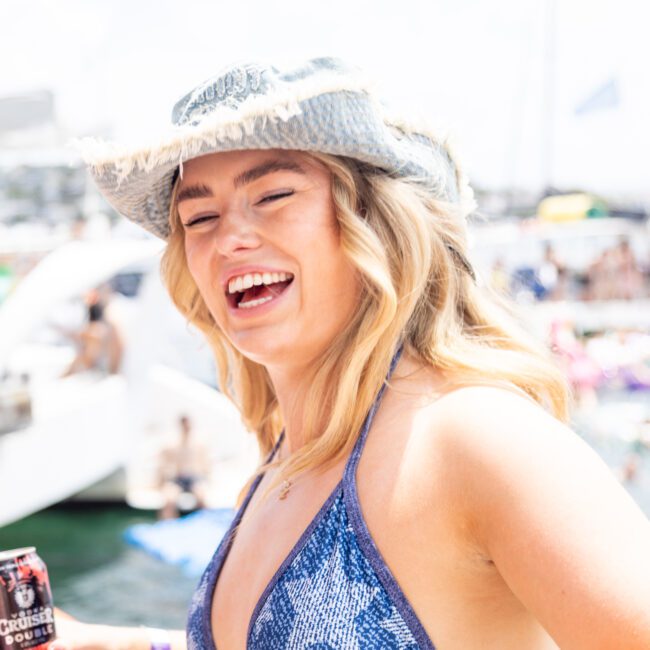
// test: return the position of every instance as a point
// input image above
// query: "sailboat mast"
(548, 103)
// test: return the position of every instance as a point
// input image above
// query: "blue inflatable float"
(188, 542)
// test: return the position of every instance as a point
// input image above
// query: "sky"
(476, 69)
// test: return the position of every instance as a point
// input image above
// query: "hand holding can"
(26, 607)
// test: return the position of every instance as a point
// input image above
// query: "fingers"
(60, 644)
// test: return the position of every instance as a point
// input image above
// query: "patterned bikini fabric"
(329, 597)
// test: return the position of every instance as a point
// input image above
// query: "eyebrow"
(265, 168)
(202, 191)
(194, 192)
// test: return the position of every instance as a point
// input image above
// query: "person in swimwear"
(184, 469)
(99, 343)
(419, 487)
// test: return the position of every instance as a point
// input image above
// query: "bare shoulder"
(480, 430)
(541, 504)
(480, 413)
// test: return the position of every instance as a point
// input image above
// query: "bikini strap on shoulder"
(353, 461)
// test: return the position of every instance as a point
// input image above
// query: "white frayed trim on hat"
(185, 142)
(465, 192)
(442, 137)
(419, 125)
(412, 124)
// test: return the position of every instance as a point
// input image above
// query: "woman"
(321, 247)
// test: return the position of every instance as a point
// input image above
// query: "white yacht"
(59, 435)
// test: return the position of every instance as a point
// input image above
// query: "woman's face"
(262, 244)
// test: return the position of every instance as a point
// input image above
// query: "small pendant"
(284, 489)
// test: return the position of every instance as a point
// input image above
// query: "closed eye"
(198, 220)
(276, 196)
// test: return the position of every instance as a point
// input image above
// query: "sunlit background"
(547, 103)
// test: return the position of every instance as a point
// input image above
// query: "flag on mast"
(605, 97)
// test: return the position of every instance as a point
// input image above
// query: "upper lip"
(229, 274)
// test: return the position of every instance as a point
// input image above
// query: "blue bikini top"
(333, 591)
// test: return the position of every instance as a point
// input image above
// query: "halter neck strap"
(353, 461)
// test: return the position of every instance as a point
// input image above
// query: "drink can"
(26, 608)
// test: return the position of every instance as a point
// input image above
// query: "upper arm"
(564, 535)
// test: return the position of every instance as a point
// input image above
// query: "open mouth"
(255, 289)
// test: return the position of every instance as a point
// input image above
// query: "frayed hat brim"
(329, 109)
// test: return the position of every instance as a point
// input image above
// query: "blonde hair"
(410, 252)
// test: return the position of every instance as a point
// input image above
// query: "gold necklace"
(286, 483)
(284, 489)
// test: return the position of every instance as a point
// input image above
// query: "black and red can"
(26, 608)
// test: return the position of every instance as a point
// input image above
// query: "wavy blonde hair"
(410, 250)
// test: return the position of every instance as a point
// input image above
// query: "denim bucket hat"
(323, 105)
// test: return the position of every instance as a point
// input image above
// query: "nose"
(236, 233)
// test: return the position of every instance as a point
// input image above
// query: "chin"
(265, 350)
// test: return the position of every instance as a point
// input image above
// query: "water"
(95, 575)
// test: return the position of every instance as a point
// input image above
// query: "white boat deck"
(79, 436)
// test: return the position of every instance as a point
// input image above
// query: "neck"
(290, 385)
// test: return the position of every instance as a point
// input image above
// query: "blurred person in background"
(600, 276)
(616, 274)
(583, 372)
(420, 487)
(99, 344)
(184, 469)
(553, 275)
(629, 275)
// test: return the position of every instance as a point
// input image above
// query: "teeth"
(243, 282)
(254, 303)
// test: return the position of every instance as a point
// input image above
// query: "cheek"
(195, 262)
(201, 269)
(334, 281)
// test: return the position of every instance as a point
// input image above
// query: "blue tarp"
(188, 542)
